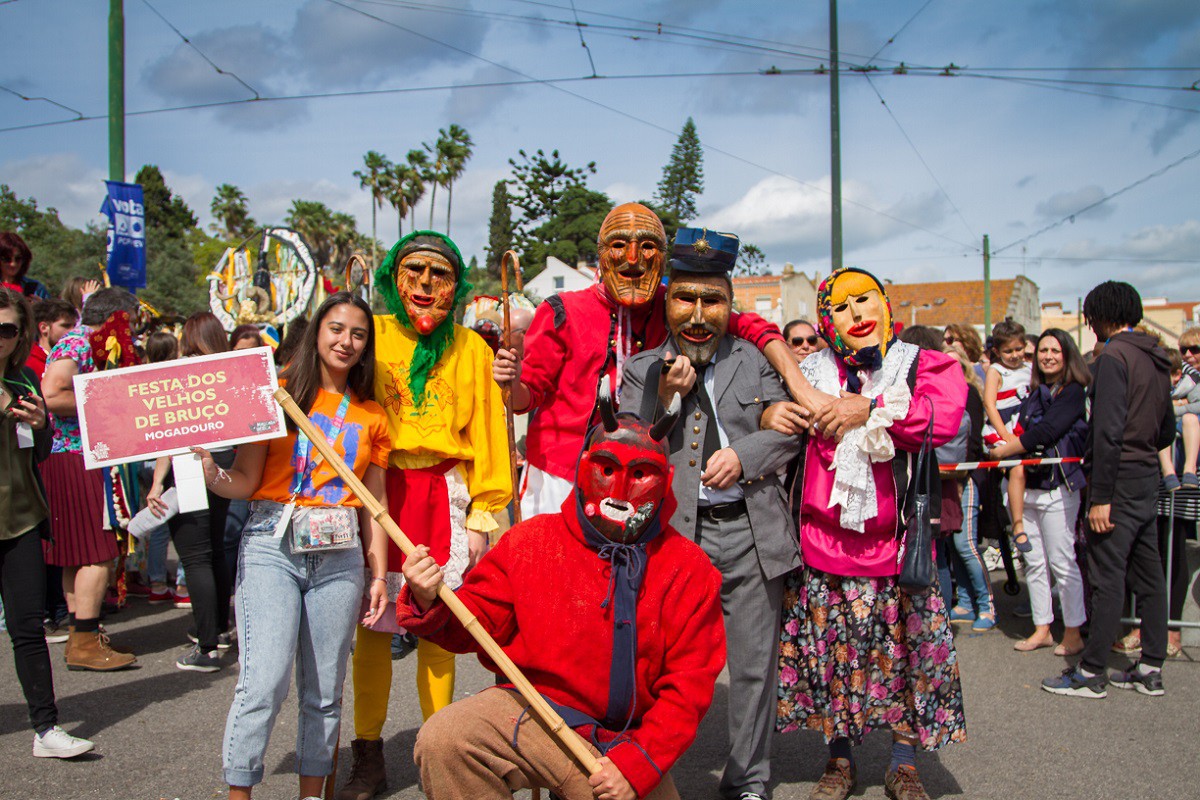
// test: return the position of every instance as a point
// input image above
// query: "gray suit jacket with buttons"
(744, 384)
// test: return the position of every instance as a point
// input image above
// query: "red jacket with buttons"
(571, 346)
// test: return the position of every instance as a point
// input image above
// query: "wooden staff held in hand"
(571, 742)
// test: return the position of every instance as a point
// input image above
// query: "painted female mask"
(632, 247)
(856, 317)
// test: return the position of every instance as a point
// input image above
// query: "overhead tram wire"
(583, 42)
(78, 114)
(201, 53)
(920, 157)
(647, 123)
(892, 38)
(1071, 217)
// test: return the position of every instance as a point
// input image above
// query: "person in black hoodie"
(1132, 419)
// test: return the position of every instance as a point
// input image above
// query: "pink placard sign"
(140, 413)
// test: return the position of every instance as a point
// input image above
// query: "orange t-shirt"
(363, 440)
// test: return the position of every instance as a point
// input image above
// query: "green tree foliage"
(500, 228)
(540, 184)
(332, 236)
(165, 211)
(683, 176)
(59, 252)
(231, 210)
(751, 261)
(570, 232)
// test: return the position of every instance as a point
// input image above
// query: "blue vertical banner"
(126, 214)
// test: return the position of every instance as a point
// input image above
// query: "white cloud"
(63, 181)
(790, 220)
(1165, 242)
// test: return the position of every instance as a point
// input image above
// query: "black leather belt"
(723, 511)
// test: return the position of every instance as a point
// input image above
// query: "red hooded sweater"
(539, 594)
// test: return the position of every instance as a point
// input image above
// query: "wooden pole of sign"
(571, 742)
(506, 390)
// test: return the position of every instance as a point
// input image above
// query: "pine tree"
(683, 176)
(500, 228)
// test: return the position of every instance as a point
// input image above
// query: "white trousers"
(1050, 524)
(542, 493)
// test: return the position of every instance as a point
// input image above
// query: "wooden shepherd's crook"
(506, 390)
(570, 741)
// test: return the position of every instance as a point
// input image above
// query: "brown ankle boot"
(91, 651)
(368, 776)
(70, 636)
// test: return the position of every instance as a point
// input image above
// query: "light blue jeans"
(299, 608)
(974, 587)
(156, 557)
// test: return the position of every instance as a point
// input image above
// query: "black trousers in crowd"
(199, 539)
(23, 587)
(1129, 553)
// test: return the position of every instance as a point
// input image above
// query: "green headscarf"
(429, 348)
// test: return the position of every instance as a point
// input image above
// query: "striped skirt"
(76, 499)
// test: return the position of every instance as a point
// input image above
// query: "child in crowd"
(1185, 395)
(1004, 387)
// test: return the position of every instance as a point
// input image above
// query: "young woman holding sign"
(300, 570)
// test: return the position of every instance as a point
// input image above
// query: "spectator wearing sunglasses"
(803, 338)
(1189, 347)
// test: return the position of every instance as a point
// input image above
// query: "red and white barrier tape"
(967, 466)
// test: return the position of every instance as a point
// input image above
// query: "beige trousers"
(465, 752)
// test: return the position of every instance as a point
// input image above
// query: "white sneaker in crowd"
(992, 559)
(57, 743)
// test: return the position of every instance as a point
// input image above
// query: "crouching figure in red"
(611, 614)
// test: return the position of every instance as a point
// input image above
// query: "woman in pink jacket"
(857, 651)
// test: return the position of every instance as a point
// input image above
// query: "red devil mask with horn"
(625, 471)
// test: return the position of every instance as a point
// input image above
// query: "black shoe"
(195, 660)
(224, 640)
(402, 645)
(1149, 683)
(1073, 683)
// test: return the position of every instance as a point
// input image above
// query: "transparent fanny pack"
(322, 528)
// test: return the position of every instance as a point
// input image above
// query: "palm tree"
(436, 175)
(459, 152)
(414, 181)
(314, 221)
(229, 207)
(377, 165)
(393, 191)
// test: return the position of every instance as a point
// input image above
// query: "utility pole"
(835, 142)
(116, 90)
(987, 288)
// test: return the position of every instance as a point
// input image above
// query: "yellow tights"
(372, 675)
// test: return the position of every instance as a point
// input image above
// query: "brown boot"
(368, 776)
(67, 647)
(838, 781)
(91, 651)
(904, 784)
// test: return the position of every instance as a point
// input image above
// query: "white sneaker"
(57, 743)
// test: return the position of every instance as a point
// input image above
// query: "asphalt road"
(158, 730)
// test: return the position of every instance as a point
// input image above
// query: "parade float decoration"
(272, 293)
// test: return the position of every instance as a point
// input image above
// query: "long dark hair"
(1074, 368)
(303, 371)
(25, 330)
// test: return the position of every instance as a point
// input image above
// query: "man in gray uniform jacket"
(730, 501)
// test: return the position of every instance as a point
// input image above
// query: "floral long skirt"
(859, 653)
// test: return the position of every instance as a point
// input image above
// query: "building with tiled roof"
(1160, 316)
(942, 303)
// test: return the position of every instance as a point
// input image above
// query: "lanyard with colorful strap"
(305, 464)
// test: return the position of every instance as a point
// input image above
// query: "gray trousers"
(751, 606)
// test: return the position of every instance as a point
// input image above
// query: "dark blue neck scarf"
(628, 568)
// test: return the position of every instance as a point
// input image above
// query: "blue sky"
(1026, 133)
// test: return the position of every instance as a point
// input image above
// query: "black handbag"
(918, 572)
